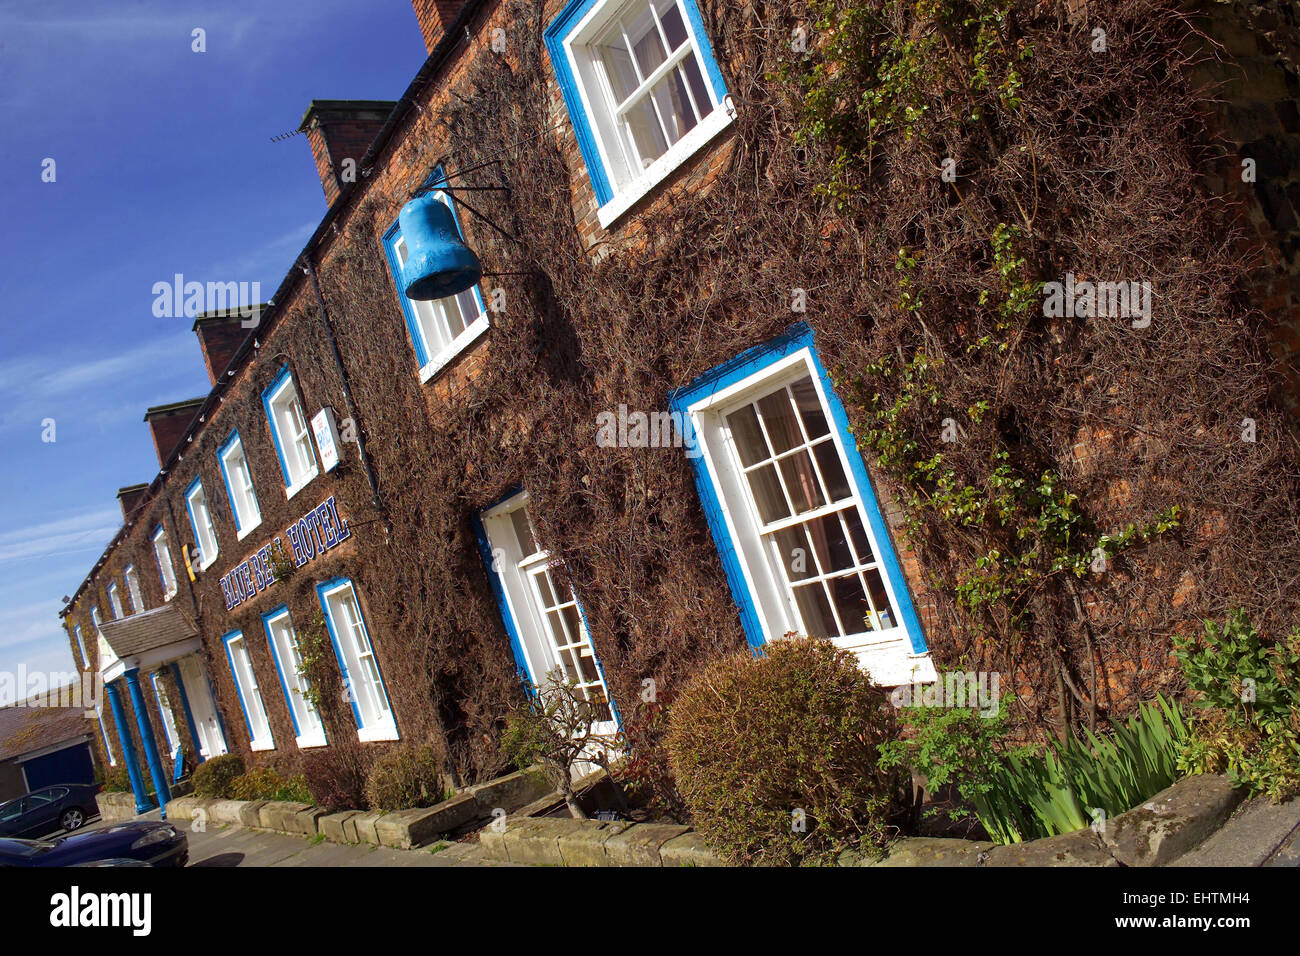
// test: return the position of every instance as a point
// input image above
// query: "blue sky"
(164, 164)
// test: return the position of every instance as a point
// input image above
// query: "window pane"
(544, 589)
(795, 553)
(810, 408)
(801, 482)
(851, 603)
(828, 459)
(647, 135)
(692, 70)
(618, 65)
(832, 547)
(880, 598)
(747, 436)
(670, 18)
(815, 611)
(574, 622)
(778, 416)
(646, 45)
(674, 106)
(768, 498)
(858, 535)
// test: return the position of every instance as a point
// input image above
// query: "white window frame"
(115, 601)
(629, 185)
(196, 504)
(524, 602)
(887, 654)
(351, 636)
(283, 640)
(108, 747)
(166, 570)
(250, 694)
(133, 588)
(81, 646)
(423, 313)
(297, 453)
(170, 733)
(239, 486)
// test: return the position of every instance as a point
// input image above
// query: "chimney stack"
(339, 133)
(220, 335)
(130, 497)
(435, 17)
(168, 424)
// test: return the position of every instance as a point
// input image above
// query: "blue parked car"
(67, 806)
(157, 844)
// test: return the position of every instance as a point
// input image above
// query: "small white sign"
(327, 437)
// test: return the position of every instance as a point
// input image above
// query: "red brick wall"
(435, 16)
(339, 131)
(219, 339)
(168, 428)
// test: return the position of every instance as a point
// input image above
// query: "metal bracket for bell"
(438, 263)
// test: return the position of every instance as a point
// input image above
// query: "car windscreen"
(23, 849)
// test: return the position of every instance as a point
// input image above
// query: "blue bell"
(438, 263)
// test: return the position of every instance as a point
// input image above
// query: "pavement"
(1260, 833)
(228, 846)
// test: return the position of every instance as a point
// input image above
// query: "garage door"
(69, 765)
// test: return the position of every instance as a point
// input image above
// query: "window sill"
(261, 745)
(292, 490)
(627, 197)
(307, 742)
(245, 532)
(463, 341)
(382, 732)
(208, 562)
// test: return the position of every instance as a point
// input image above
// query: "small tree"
(556, 728)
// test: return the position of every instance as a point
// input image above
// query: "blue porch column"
(189, 715)
(146, 737)
(142, 802)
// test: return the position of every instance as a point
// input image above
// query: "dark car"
(66, 806)
(158, 844)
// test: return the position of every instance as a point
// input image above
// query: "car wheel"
(72, 819)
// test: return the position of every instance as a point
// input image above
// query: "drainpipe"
(366, 465)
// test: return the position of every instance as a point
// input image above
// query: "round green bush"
(777, 757)
(260, 783)
(405, 778)
(214, 777)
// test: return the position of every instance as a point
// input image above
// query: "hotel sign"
(309, 537)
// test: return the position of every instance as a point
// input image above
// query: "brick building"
(389, 485)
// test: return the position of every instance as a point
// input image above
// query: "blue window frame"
(200, 512)
(308, 729)
(792, 511)
(246, 689)
(290, 433)
(642, 87)
(443, 329)
(356, 656)
(238, 477)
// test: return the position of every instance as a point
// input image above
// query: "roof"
(29, 728)
(147, 631)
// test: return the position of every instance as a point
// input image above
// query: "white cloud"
(90, 531)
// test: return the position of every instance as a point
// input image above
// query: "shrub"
(214, 777)
(556, 728)
(260, 783)
(778, 757)
(335, 777)
(1250, 698)
(294, 789)
(1020, 794)
(405, 778)
(116, 779)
